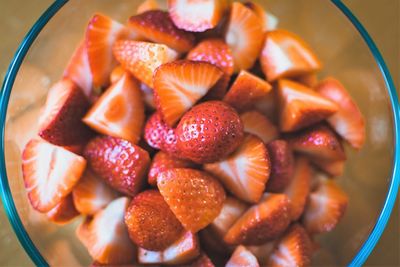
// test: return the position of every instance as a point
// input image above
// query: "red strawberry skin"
(120, 163)
(282, 163)
(162, 162)
(209, 132)
(150, 222)
(61, 123)
(157, 26)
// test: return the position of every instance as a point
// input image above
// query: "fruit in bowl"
(193, 139)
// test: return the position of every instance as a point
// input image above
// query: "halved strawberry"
(293, 249)
(196, 16)
(179, 85)
(105, 235)
(282, 164)
(162, 162)
(50, 173)
(182, 251)
(299, 187)
(60, 122)
(63, 212)
(325, 207)
(268, 106)
(244, 36)
(156, 26)
(331, 167)
(348, 122)
(119, 112)
(91, 194)
(246, 90)
(310, 79)
(147, 5)
(269, 21)
(195, 197)
(262, 252)
(242, 257)
(318, 142)
(286, 55)
(256, 123)
(120, 163)
(78, 69)
(116, 74)
(217, 52)
(300, 106)
(209, 132)
(262, 222)
(151, 223)
(230, 212)
(246, 171)
(202, 261)
(148, 97)
(142, 58)
(101, 34)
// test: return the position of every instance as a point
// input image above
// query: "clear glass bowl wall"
(340, 47)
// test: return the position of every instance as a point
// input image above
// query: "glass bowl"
(371, 176)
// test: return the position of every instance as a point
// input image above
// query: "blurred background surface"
(381, 19)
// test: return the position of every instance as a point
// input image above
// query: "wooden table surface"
(381, 18)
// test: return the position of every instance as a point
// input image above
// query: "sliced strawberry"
(208, 132)
(348, 122)
(325, 207)
(105, 235)
(269, 21)
(63, 212)
(268, 106)
(60, 121)
(318, 142)
(101, 34)
(147, 5)
(196, 16)
(256, 123)
(310, 79)
(293, 249)
(142, 58)
(246, 90)
(78, 69)
(182, 251)
(262, 252)
(91, 194)
(162, 162)
(262, 222)
(282, 164)
(299, 187)
(179, 85)
(156, 26)
(50, 173)
(218, 53)
(202, 261)
(120, 163)
(286, 55)
(195, 197)
(246, 171)
(119, 112)
(242, 257)
(230, 212)
(148, 97)
(117, 74)
(244, 36)
(332, 167)
(300, 106)
(151, 224)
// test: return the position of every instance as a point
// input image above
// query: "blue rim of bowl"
(12, 71)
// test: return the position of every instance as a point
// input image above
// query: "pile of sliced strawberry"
(193, 136)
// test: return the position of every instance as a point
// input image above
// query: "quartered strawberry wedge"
(195, 133)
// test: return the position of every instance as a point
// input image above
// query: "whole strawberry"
(120, 163)
(209, 132)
